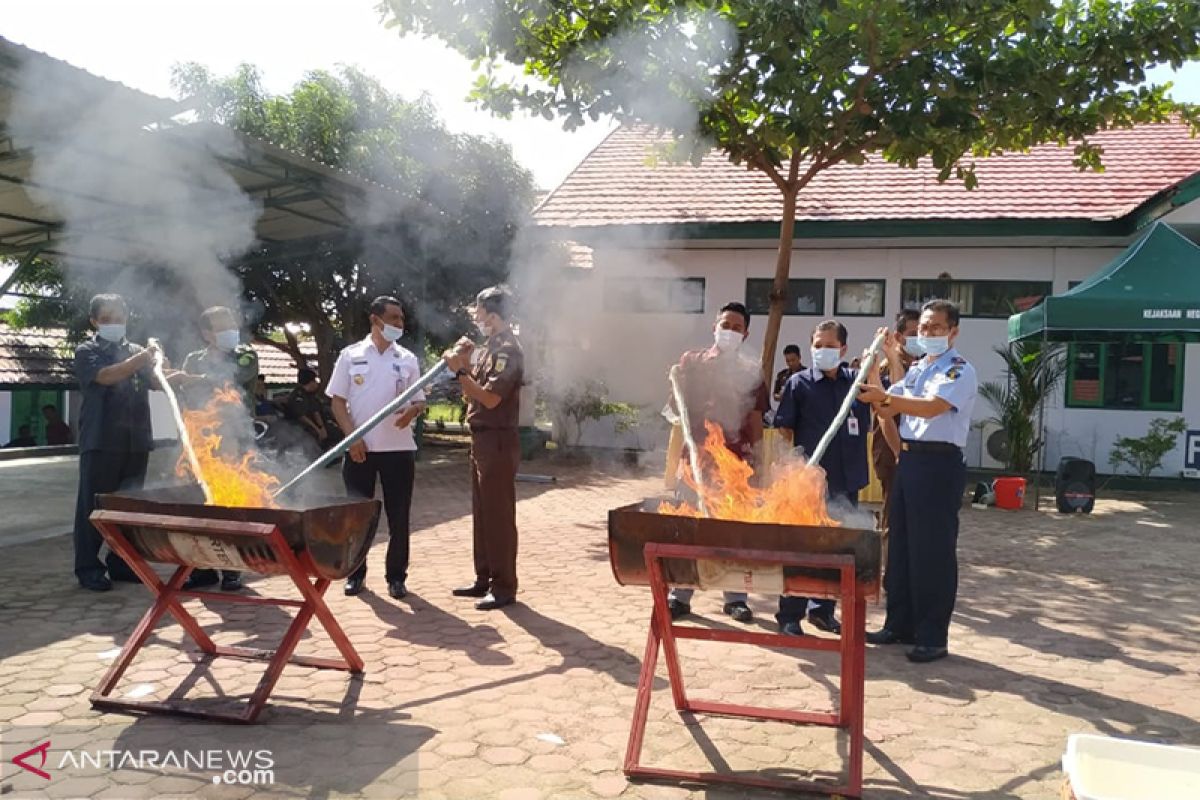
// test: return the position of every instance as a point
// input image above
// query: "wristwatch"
(886, 401)
(461, 372)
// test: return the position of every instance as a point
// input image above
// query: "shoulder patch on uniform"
(958, 360)
(953, 373)
(500, 363)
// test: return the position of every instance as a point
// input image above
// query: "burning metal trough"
(659, 550)
(314, 544)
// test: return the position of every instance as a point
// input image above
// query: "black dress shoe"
(397, 590)
(739, 611)
(231, 582)
(923, 655)
(885, 636)
(791, 628)
(95, 583)
(490, 602)
(678, 608)
(201, 578)
(354, 586)
(825, 622)
(474, 590)
(128, 576)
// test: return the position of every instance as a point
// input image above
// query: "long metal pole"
(185, 440)
(361, 431)
(685, 426)
(819, 452)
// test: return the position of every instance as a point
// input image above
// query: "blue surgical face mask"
(934, 345)
(392, 333)
(112, 331)
(826, 358)
(226, 340)
(912, 347)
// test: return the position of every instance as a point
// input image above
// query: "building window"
(654, 295)
(987, 299)
(858, 298)
(805, 296)
(1125, 376)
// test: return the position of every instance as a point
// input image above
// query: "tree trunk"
(783, 265)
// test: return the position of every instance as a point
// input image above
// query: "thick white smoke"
(138, 196)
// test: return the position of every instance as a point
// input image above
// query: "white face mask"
(727, 341)
(226, 340)
(934, 345)
(826, 358)
(912, 347)
(484, 329)
(392, 333)
(112, 331)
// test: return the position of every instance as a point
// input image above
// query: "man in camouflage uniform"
(224, 361)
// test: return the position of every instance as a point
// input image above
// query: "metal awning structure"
(302, 201)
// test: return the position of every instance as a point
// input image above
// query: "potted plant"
(1034, 372)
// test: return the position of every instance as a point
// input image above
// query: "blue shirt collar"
(944, 358)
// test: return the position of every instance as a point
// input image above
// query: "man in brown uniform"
(883, 453)
(492, 389)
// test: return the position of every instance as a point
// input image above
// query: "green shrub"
(1145, 455)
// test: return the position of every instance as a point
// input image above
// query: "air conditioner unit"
(993, 446)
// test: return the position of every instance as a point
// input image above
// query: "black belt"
(944, 448)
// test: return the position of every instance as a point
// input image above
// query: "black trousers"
(101, 472)
(922, 570)
(793, 609)
(395, 471)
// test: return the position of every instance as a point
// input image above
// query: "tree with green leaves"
(463, 200)
(790, 88)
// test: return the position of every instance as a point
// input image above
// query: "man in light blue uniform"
(934, 404)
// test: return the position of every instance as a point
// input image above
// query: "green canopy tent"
(1150, 293)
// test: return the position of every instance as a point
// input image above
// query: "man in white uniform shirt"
(368, 375)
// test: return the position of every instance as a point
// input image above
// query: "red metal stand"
(851, 648)
(263, 537)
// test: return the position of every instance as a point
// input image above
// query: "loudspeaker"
(1075, 486)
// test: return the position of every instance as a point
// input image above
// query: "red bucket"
(1010, 492)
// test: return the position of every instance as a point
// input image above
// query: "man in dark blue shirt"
(811, 399)
(115, 377)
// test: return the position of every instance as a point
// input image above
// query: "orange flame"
(234, 480)
(796, 495)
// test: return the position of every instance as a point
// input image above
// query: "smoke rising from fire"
(149, 209)
(616, 306)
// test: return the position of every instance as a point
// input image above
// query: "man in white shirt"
(368, 375)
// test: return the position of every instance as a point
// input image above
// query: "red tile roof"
(615, 185)
(45, 358)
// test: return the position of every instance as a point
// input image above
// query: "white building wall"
(632, 352)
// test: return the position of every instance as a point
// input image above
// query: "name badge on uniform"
(852, 426)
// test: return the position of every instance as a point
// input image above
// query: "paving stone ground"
(1064, 625)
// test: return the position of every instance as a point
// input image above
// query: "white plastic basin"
(1104, 768)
